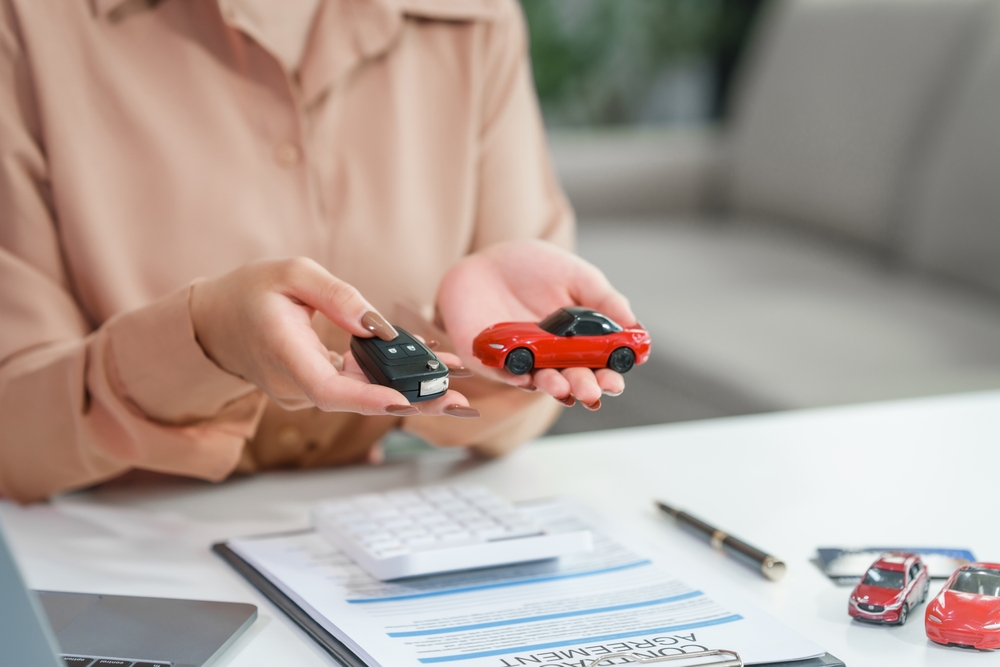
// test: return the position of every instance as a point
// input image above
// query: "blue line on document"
(584, 640)
(548, 617)
(502, 584)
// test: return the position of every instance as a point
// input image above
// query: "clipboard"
(347, 658)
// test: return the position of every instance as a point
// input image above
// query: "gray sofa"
(836, 240)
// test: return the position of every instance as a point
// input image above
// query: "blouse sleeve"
(83, 401)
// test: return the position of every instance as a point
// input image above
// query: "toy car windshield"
(884, 578)
(578, 321)
(978, 582)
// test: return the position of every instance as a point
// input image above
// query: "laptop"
(49, 629)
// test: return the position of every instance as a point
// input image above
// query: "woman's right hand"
(256, 322)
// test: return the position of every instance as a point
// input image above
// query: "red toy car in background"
(569, 337)
(967, 610)
(893, 585)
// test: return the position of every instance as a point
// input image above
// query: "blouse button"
(287, 154)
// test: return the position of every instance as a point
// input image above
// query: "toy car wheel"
(621, 360)
(519, 361)
(903, 614)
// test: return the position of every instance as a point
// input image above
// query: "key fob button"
(393, 352)
(412, 350)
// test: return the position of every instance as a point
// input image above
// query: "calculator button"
(407, 534)
(491, 533)
(402, 499)
(421, 542)
(389, 552)
(522, 530)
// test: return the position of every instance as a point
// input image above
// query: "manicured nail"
(593, 407)
(462, 411)
(336, 360)
(529, 388)
(378, 326)
(460, 372)
(569, 401)
(402, 410)
(613, 393)
(433, 344)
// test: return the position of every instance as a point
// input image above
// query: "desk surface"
(788, 482)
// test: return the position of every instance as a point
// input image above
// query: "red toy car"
(967, 610)
(893, 585)
(567, 338)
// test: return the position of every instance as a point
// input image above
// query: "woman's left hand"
(525, 281)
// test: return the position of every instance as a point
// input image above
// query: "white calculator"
(437, 529)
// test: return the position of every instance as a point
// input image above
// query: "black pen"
(771, 567)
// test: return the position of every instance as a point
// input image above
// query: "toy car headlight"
(933, 619)
(496, 346)
(995, 625)
(895, 604)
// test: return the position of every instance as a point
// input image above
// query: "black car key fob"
(404, 364)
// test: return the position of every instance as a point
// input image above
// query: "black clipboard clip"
(733, 659)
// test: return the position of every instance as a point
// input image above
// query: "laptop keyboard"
(92, 661)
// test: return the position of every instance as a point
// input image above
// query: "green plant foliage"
(599, 62)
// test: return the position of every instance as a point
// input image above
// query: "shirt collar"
(352, 31)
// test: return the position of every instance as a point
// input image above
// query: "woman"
(201, 200)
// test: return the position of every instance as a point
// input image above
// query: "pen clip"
(734, 659)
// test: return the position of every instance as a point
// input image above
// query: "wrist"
(199, 313)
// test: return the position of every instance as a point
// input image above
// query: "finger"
(331, 392)
(340, 302)
(612, 383)
(553, 383)
(452, 404)
(583, 386)
(589, 287)
(376, 454)
(336, 360)
(454, 364)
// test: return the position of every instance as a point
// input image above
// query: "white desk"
(922, 472)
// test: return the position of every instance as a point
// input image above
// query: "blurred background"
(800, 198)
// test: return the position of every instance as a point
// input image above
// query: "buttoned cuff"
(161, 367)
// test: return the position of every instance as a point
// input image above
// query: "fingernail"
(529, 388)
(336, 360)
(613, 393)
(433, 344)
(593, 407)
(462, 411)
(460, 372)
(402, 410)
(569, 401)
(378, 325)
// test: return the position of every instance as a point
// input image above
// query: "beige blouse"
(146, 144)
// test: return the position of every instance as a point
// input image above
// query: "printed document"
(563, 612)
